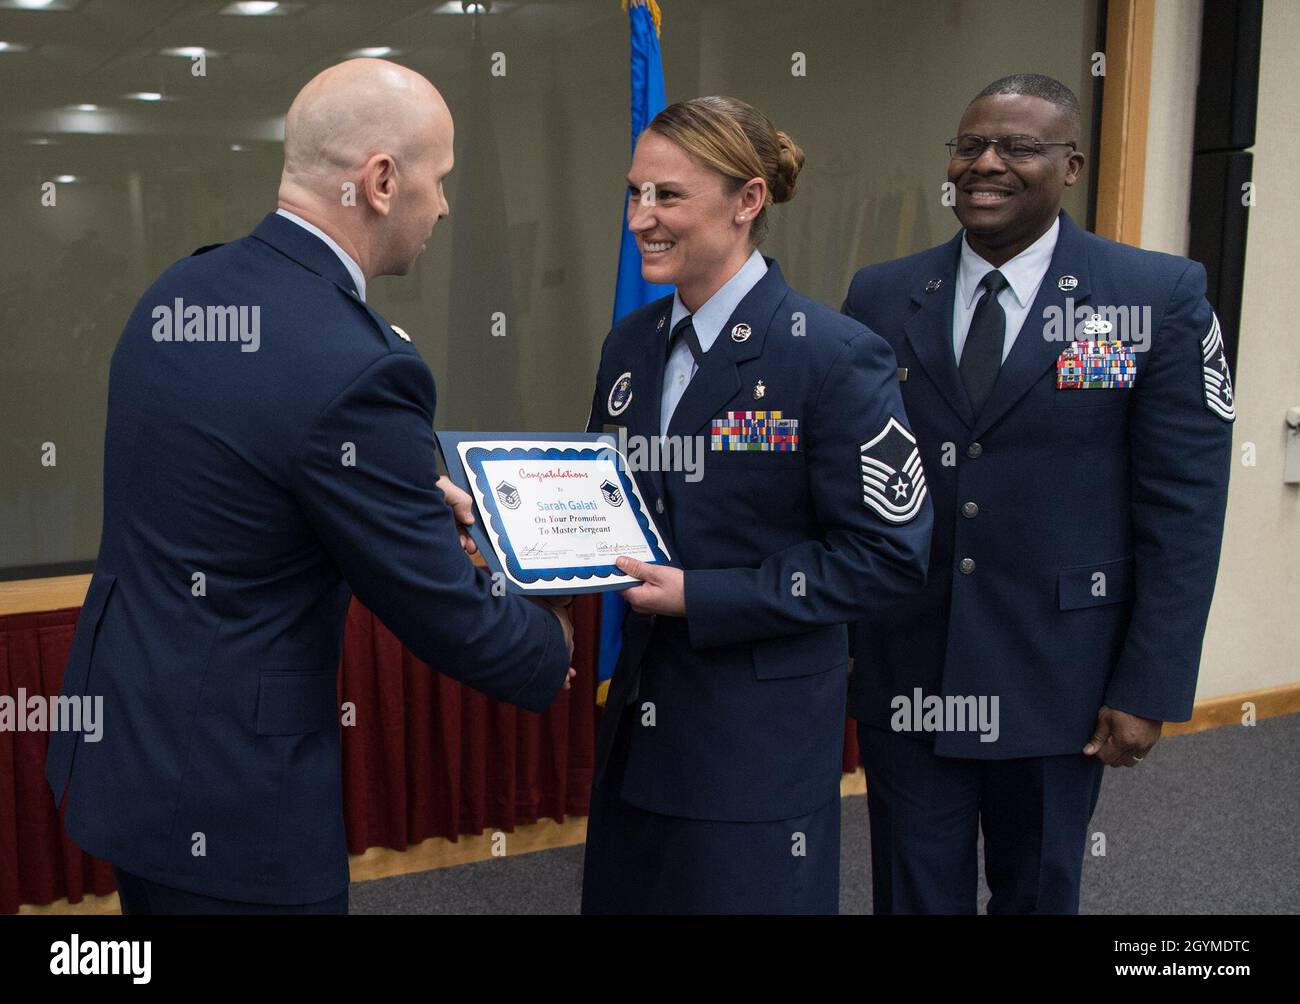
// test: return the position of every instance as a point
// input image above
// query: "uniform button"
(974, 450)
(659, 505)
(970, 510)
(967, 566)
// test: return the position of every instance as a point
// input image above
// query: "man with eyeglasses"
(1073, 406)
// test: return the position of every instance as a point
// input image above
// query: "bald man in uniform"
(269, 454)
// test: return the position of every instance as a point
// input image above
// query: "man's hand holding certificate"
(554, 511)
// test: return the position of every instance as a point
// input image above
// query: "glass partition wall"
(133, 131)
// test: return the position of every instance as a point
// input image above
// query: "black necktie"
(685, 331)
(981, 358)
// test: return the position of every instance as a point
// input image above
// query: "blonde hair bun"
(785, 180)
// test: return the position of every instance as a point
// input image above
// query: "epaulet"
(205, 249)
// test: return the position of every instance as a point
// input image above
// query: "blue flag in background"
(632, 291)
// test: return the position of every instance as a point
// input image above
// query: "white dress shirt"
(354, 270)
(707, 322)
(1024, 274)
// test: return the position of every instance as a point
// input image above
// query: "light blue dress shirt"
(354, 270)
(1024, 274)
(708, 322)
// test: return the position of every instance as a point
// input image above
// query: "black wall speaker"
(1226, 97)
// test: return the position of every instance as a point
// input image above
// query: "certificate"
(553, 511)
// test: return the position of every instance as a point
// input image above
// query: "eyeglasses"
(968, 146)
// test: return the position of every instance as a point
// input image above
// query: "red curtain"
(427, 757)
(38, 863)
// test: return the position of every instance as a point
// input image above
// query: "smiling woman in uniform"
(716, 785)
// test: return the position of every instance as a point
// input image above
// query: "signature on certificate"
(538, 550)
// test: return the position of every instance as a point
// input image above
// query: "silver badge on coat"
(1097, 327)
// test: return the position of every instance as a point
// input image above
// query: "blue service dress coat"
(1078, 521)
(248, 495)
(718, 759)
(1078, 516)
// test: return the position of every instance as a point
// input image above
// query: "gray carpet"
(1210, 823)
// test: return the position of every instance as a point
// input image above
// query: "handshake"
(462, 507)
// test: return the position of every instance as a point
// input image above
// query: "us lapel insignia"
(759, 391)
(932, 285)
(620, 395)
(1067, 283)
(740, 333)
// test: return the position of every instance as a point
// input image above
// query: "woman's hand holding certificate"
(662, 589)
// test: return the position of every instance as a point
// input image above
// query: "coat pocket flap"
(1096, 584)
